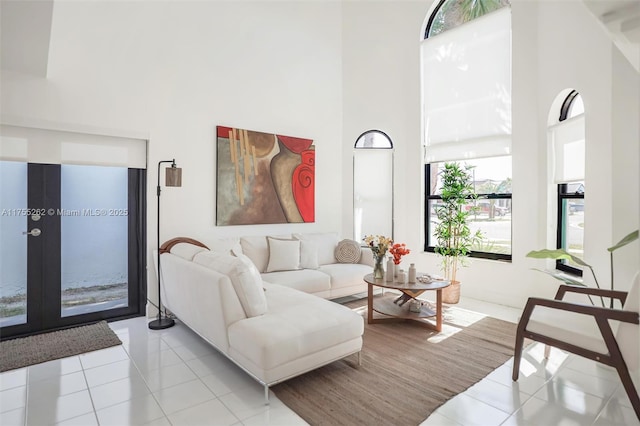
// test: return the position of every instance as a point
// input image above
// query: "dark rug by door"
(18, 353)
(407, 371)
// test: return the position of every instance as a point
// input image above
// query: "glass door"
(71, 244)
(13, 245)
(94, 243)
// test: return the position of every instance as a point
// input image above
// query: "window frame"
(427, 219)
(563, 195)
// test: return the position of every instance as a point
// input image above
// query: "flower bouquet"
(397, 251)
(379, 245)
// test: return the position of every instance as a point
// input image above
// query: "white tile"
(208, 364)
(46, 410)
(194, 350)
(162, 421)
(615, 414)
(248, 402)
(103, 357)
(13, 379)
(212, 411)
(228, 380)
(570, 399)
(469, 411)
(127, 325)
(536, 412)
(437, 419)
(180, 336)
(183, 396)
(135, 345)
(119, 391)
(13, 418)
(110, 373)
(505, 398)
(593, 368)
(594, 385)
(54, 368)
(57, 386)
(133, 412)
(620, 397)
(84, 420)
(277, 414)
(11, 399)
(155, 360)
(166, 377)
(534, 362)
(527, 384)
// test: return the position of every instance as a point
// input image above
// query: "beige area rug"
(25, 351)
(407, 371)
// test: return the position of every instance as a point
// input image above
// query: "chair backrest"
(628, 335)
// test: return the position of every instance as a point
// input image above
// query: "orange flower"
(398, 250)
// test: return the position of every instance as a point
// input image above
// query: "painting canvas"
(264, 178)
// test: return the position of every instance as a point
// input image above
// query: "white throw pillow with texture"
(284, 255)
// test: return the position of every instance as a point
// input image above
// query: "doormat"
(25, 351)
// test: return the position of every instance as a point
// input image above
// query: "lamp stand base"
(161, 323)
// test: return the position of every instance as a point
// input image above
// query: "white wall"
(171, 71)
(555, 45)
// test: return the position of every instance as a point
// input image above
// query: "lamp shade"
(173, 176)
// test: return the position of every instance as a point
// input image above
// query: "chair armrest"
(595, 311)
(614, 294)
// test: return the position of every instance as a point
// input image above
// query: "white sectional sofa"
(269, 321)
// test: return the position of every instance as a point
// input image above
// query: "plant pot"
(451, 294)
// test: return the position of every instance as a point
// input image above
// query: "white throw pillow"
(257, 250)
(308, 255)
(244, 276)
(326, 243)
(249, 288)
(186, 251)
(284, 255)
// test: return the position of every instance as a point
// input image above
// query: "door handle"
(35, 232)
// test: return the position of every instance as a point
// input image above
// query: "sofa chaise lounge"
(272, 330)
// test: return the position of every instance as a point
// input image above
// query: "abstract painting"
(264, 178)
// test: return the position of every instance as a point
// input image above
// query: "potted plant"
(453, 235)
(560, 254)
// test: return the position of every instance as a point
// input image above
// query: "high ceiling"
(621, 18)
(24, 37)
(25, 31)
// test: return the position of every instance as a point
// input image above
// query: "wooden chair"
(587, 331)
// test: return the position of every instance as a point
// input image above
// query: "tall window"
(466, 83)
(372, 185)
(568, 139)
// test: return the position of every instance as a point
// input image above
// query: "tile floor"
(172, 377)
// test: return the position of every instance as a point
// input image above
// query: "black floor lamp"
(173, 178)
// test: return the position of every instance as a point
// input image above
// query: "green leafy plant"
(454, 237)
(560, 254)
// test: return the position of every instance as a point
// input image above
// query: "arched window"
(466, 94)
(567, 138)
(372, 185)
(451, 13)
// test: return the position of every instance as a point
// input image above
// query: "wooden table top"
(431, 285)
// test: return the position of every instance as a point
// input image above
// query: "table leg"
(439, 310)
(370, 303)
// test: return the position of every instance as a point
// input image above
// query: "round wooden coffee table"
(393, 310)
